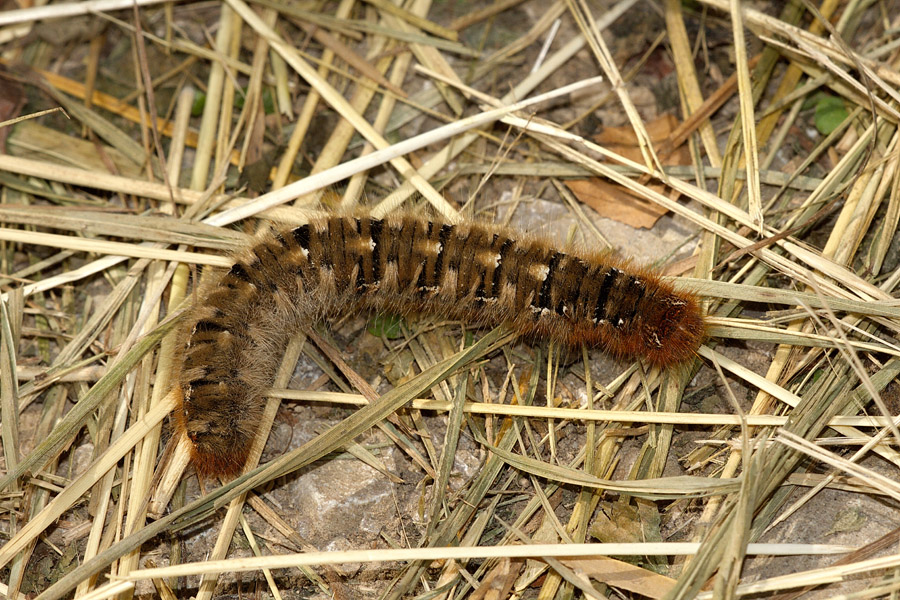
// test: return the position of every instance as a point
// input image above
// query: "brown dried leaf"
(622, 575)
(617, 523)
(615, 202)
(32, 140)
(499, 580)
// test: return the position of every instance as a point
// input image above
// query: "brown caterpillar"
(290, 277)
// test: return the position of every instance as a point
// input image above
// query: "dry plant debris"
(412, 458)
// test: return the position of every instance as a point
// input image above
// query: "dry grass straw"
(764, 243)
(536, 551)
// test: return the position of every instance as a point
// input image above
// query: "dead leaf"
(60, 148)
(614, 201)
(617, 523)
(620, 574)
(499, 580)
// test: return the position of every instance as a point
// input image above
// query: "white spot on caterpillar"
(488, 259)
(540, 272)
(372, 244)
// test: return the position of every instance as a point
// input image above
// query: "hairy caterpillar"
(293, 276)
